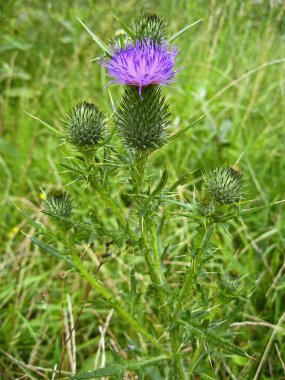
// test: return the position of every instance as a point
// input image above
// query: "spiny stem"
(154, 273)
(158, 278)
(191, 273)
(178, 368)
(153, 262)
(174, 337)
(138, 171)
(156, 256)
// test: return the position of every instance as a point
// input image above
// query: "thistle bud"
(85, 125)
(225, 185)
(142, 120)
(149, 26)
(58, 204)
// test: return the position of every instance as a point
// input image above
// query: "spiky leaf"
(118, 368)
(211, 338)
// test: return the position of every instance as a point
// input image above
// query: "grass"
(233, 69)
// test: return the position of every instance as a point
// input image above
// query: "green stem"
(160, 280)
(152, 256)
(191, 273)
(113, 303)
(156, 255)
(96, 183)
(178, 368)
(138, 171)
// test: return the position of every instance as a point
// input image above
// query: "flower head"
(142, 64)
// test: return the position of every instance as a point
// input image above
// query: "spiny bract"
(85, 125)
(58, 204)
(142, 122)
(225, 185)
(149, 26)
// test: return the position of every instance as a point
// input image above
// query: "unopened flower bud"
(142, 120)
(149, 26)
(58, 204)
(225, 185)
(85, 125)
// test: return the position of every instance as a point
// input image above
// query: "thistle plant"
(185, 332)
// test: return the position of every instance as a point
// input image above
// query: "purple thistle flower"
(142, 64)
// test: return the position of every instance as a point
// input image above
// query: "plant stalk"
(191, 273)
(153, 262)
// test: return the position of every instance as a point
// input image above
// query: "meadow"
(233, 67)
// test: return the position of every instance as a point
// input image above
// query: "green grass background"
(233, 66)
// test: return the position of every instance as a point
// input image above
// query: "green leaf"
(119, 156)
(180, 32)
(180, 181)
(161, 184)
(53, 251)
(212, 339)
(38, 227)
(255, 209)
(118, 368)
(98, 41)
(73, 169)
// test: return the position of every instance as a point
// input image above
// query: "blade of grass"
(118, 368)
(180, 32)
(44, 123)
(185, 129)
(98, 41)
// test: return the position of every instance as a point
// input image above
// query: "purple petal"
(142, 64)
